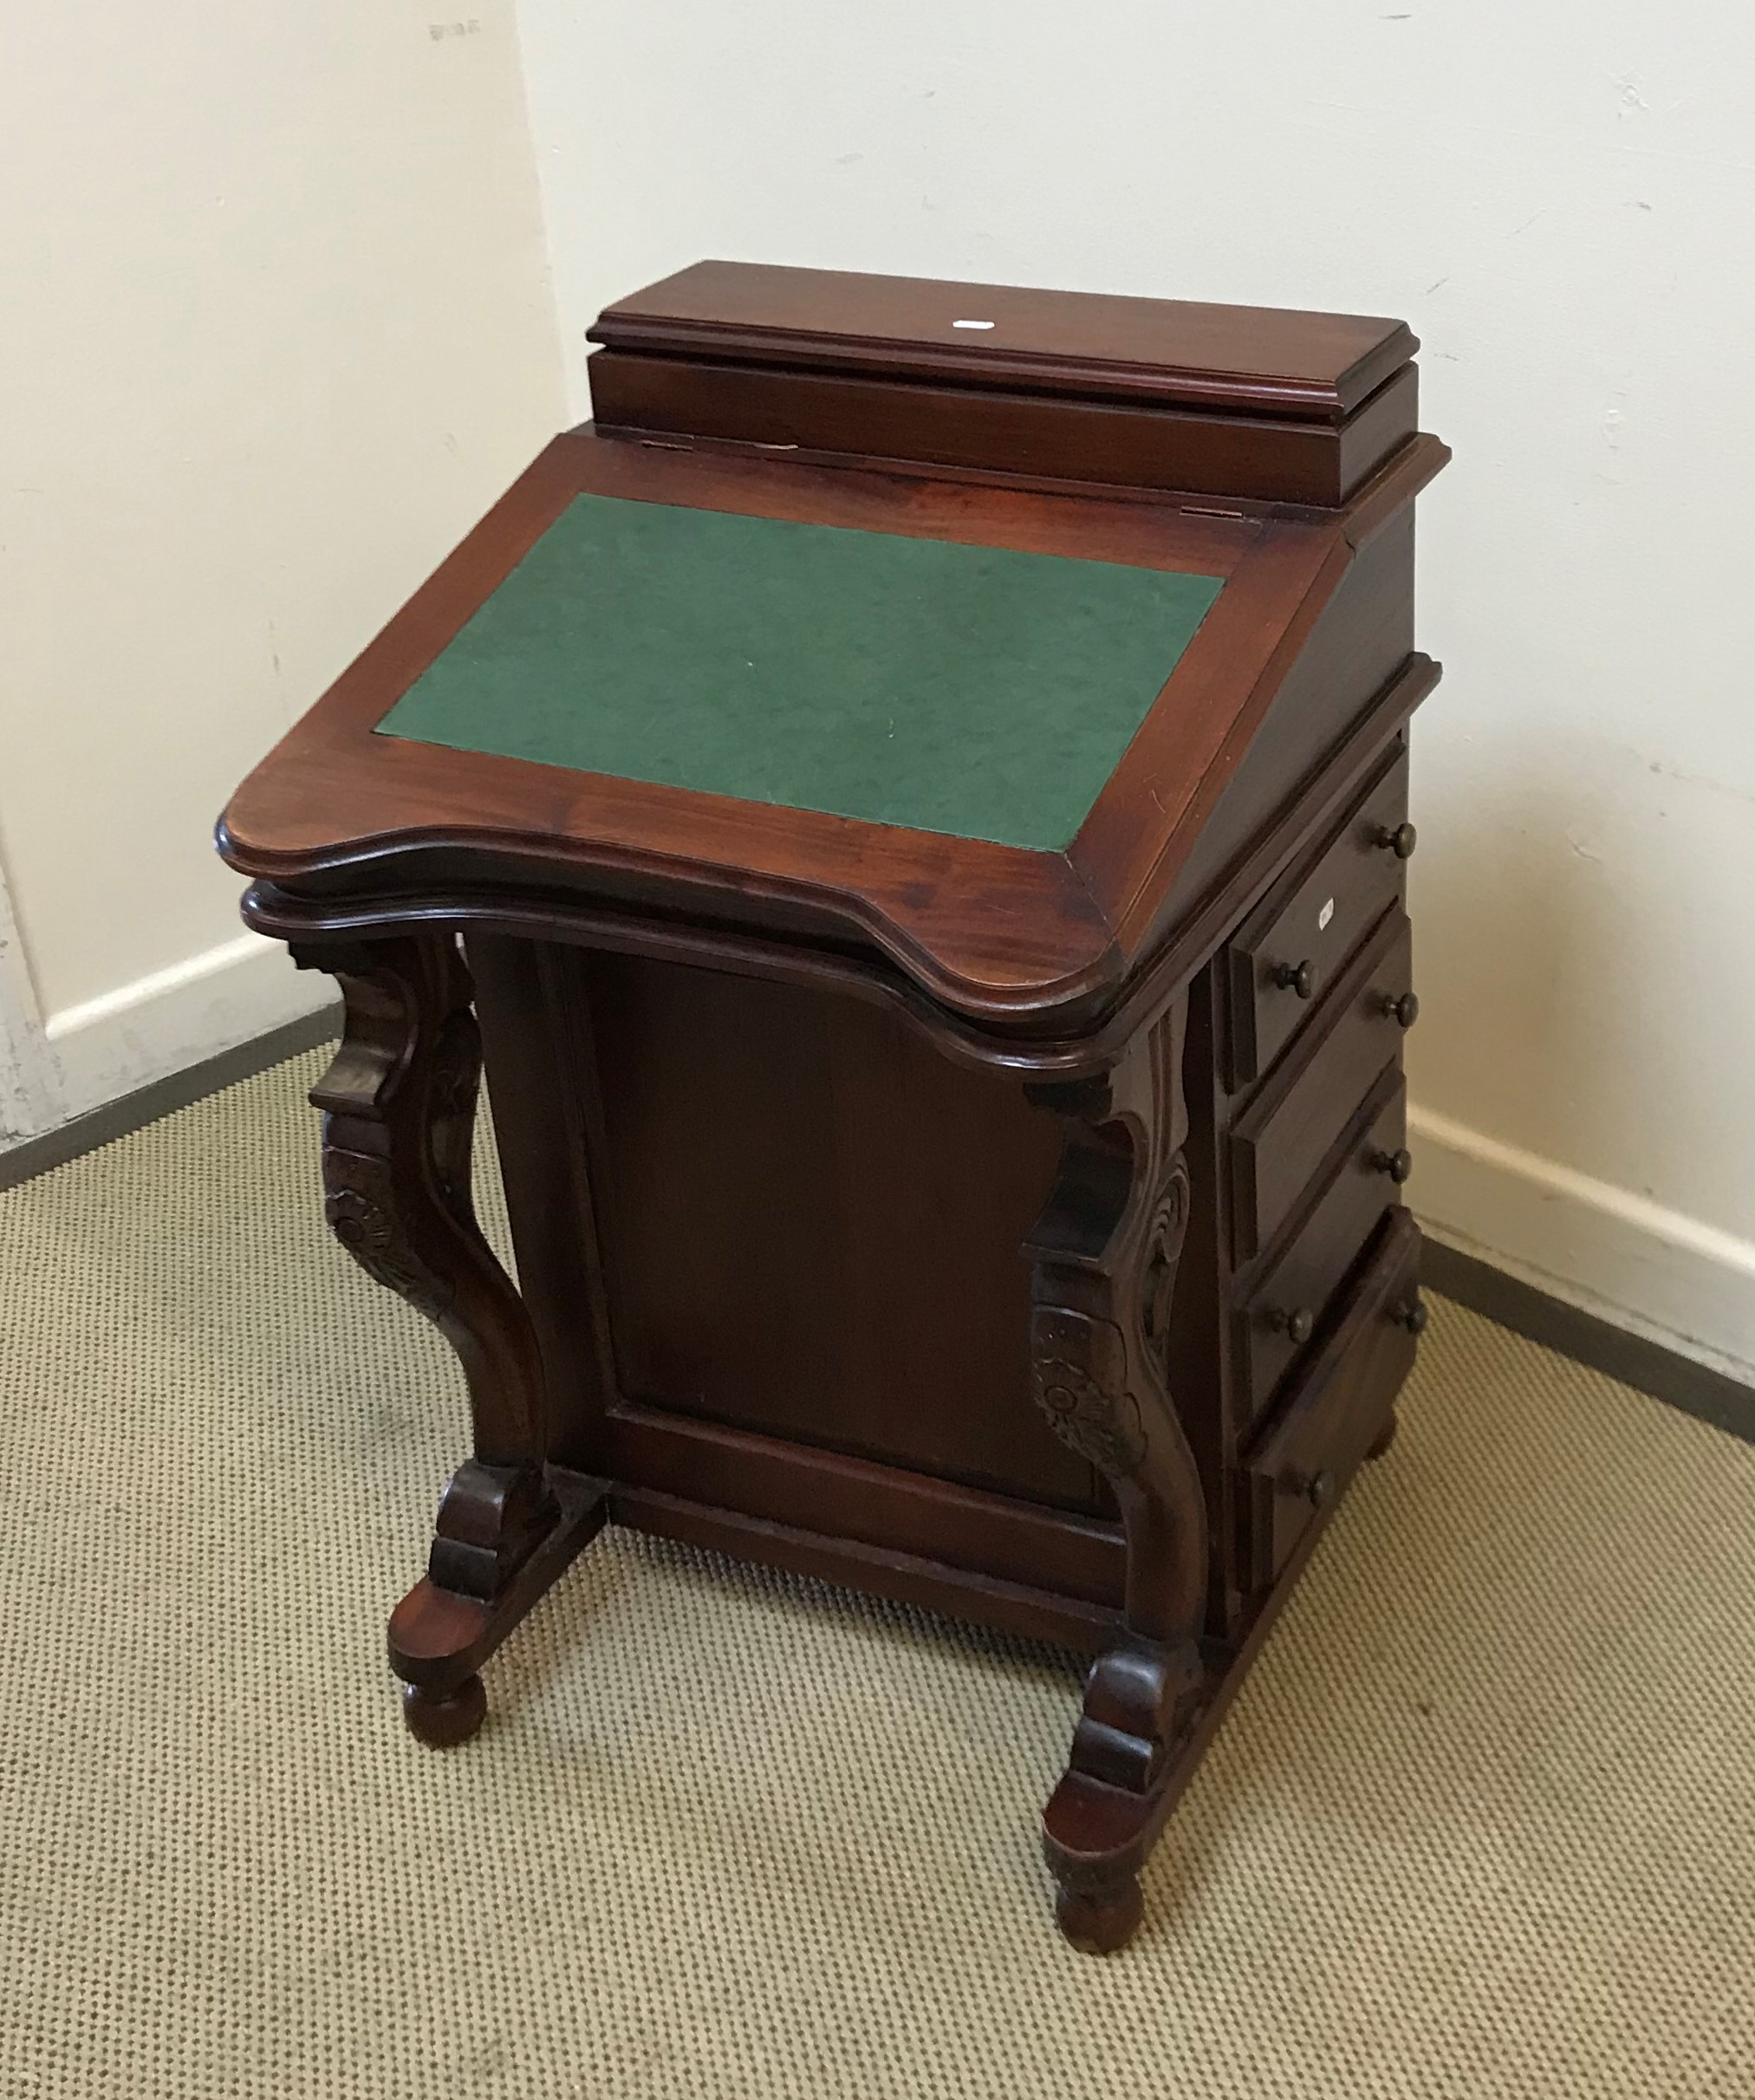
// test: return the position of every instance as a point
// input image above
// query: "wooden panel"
(1199, 1337)
(1279, 1143)
(1013, 1608)
(776, 1482)
(344, 812)
(457, 892)
(1291, 949)
(1132, 445)
(535, 1036)
(1302, 1284)
(1361, 646)
(985, 693)
(811, 1225)
(341, 821)
(1250, 360)
(762, 1071)
(1310, 1449)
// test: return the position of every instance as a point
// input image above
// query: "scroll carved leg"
(399, 1108)
(1104, 1256)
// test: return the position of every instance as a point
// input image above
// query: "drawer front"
(1288, 951)
(1284, 1136)
(1311, 1446)
(1285, 1314)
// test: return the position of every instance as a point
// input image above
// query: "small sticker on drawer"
(1325, 915)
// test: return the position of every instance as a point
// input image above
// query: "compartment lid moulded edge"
(1261, 361)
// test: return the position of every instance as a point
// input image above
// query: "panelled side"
(1362, 637)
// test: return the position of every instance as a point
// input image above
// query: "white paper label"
(1325, 915)
(972, 324)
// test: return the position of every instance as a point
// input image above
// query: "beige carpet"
(1481, 1824)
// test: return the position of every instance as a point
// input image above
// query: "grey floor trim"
(134, 1111)
(1647, 1366)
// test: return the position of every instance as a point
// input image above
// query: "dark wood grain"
(1033, 941)
(439, 1638)
(1316, 366)
(1293, 1124)
(1096, 1835)
(898, 1209)
(455, 898)
(1303, 934)
(1305, 1453)
(1360, 642)
(1104, 1255)
(810, 1225)
(537, 1038)
(1198, 1339)
(399, 1108)
(1136, 445)
(807, 1486)
(932, 1586)
(1352, 1194)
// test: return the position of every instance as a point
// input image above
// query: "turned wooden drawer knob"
(1403, 1009)
(1316, 1488)
(1297, 977)
(1411, 1314)
(1398, 1165)
(1401, 840)
(1300, 1323)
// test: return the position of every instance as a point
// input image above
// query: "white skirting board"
(1653, 1271)
(160, 1024)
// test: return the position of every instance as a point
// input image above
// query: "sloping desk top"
(962, 723)
(979, 692)
(369, 796)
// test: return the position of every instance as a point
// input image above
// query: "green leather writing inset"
(969, 690)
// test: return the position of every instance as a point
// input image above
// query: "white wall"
(1562, 200)
(277, 330)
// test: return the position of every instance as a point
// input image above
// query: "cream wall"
(1562, 200)
(278, 328)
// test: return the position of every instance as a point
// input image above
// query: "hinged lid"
(1000, 752)
(1171, 353)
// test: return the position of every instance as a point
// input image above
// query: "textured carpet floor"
(1481, 1823)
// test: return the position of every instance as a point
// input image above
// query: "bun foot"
(1384, 1438)
(1101, 1923)
(445, 1720)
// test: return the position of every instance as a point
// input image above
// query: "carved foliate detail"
(1164, 1237)
(1104, 1256)
(371, 1235)
(455, 1088)
(1078, 1370)
(399, 1130)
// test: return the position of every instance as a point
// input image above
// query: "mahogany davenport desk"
(911, 803)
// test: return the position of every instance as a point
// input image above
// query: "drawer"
(1285, 1312)
(1312, 1447)
(1286, 1132)
(1288, 951)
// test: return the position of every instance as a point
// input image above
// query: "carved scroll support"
(399, 1108)
(1104, 1256)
